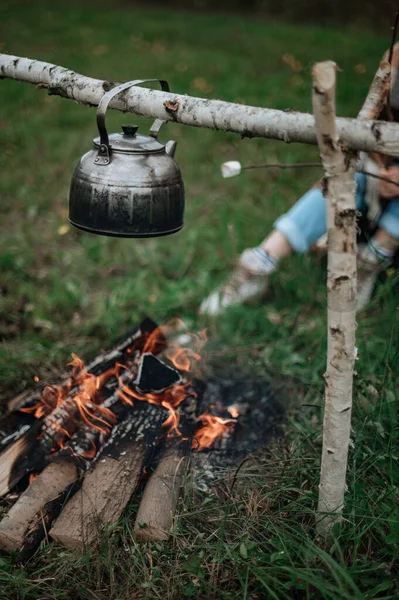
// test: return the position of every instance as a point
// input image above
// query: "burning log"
(30, 451)
(17, 453)
(84, 403)
(158, 505)
(133, 339)
(19, 419)
(26, 523)
(108, 487)
(157, 508)
(133, 404)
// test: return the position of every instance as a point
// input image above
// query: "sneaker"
(247, 284)
(369, 266)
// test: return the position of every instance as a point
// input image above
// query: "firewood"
(154, 376)
(157, 508)
(108, 487)
(41, 523)
(29, 453)
(103, 496)
(17, 452)
(17, 525)
(98, 365)
(31, 449)
(16, 425)
(156, 512)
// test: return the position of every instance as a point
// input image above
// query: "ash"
(259, 419)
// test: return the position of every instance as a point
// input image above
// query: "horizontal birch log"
(248, 121)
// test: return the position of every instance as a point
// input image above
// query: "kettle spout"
(170, 148)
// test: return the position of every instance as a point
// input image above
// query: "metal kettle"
(128, 185)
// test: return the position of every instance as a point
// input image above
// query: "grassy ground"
(63, 290)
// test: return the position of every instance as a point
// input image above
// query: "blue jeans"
(305, 222)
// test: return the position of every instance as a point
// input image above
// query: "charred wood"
(31, 451)
(132, 340)
(54, 430)
(154, 375)
(108, 487)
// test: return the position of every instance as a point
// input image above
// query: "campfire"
(78, 450)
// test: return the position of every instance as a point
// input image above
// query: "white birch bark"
(375, 100)
(248, 121)
(339, 191)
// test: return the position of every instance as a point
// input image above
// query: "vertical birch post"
(339, 190)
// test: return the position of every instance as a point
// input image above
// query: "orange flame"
(183, 359)
(213, 428)
(82, 389)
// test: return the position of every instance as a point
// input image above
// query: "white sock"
(258, 260)
(381, 252)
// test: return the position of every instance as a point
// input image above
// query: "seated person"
(305, 223)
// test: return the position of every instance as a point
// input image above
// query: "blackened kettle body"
(128, 185)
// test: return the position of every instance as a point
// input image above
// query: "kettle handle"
(103, 105)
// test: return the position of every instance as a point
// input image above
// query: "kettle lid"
(130, 142)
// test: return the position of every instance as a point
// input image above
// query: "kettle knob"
(130, 129)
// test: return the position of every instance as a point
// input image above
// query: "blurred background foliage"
(320, 12)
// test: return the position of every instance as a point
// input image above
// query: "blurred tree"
(323, 12)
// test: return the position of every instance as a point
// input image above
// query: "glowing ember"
(213, 427)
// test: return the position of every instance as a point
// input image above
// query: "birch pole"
(339, 190)
(248, 121)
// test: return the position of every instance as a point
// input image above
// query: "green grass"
(63, 292)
